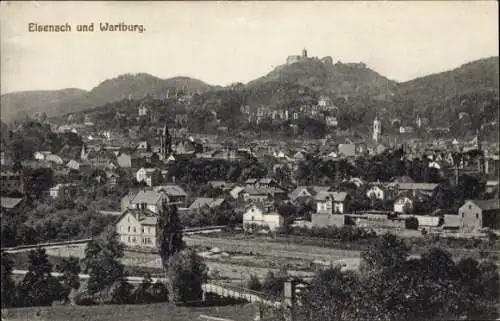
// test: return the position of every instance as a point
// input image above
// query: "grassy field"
(150, 312)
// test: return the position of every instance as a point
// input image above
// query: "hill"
(471, 88)
(18, 104)
(141, 85)
(333, 79)
(477, 76)
(58, 102)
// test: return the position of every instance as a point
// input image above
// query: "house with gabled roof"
(260, 215)
(332, 202)
(174, 193)
(478, 214)
(137, 227)
(10, 203)
(207, 202)
(144, 199)
(306, 192)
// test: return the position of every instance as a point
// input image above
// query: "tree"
(254, 283)
(388, 252)
(37, 287)
(185, 272)
(8, 286)
(331, 295)
(102, 262)
(70, 268)
(169, 233)
(142, 293)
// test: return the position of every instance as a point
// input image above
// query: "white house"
(142, 110)
(375, 191)
(73, 164)
(61, 190)
(137, 227)
(41, 155)
(402, 203)
(55, 159)
(258, 215)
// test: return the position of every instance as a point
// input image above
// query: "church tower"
(165, 143)
(84, 153)
(377, 129)
(304, 53)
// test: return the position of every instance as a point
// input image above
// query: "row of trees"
(393, 286)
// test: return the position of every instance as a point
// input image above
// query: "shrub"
(411, 223)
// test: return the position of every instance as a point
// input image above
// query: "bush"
(411, 223)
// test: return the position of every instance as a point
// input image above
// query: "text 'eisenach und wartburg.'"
(91, 27)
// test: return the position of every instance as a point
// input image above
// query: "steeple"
(165, 143)
(84, 153)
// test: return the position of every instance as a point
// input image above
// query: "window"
(470, 207)
(134, 230)
(129, 229)
(143, 230)
(133, 239)
(129, 239)
(477, 216)
(252, 218)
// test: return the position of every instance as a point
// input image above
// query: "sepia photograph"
(249, 160)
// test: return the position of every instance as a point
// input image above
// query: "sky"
(226, 42)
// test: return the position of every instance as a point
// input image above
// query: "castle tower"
(377, 129)
(165, 143)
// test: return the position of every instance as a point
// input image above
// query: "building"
(10, 204)
(150, 176)
(142, 110)
(54, 159)
(332, 202)
(413, 189)
(477, 214)
(375, 191)
(137, 227)
(63, 190)
(73, 164)
(263, 216)
(174, 193)
(347, 150)
(212, 203)
(165, 143)
(403, 204)
(297, 58)
(306, 192)
(41, 155)
(324, 219)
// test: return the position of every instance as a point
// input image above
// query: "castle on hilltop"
(303, 57)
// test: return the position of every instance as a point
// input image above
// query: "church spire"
(165, 142)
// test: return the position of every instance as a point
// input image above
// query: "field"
(245, 257)
(150, 312)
